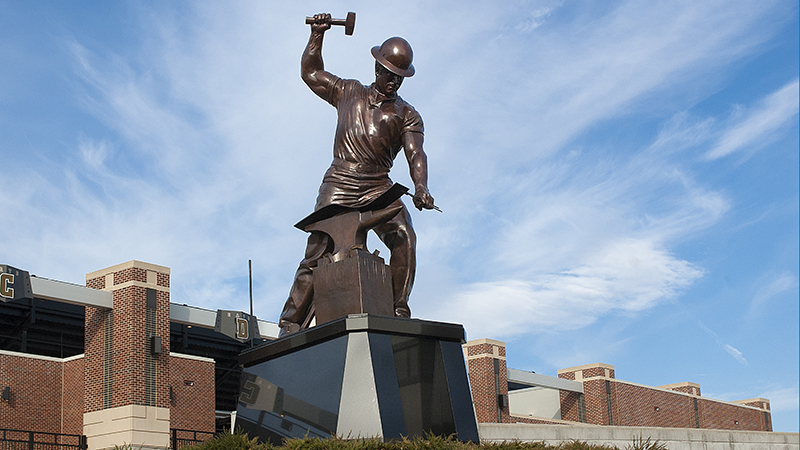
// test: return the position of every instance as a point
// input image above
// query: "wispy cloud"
(627, 276)
(731, 350)
(783, 399)
(757, 127)
(782, 283)
(735, 353)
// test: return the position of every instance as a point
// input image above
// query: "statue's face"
(386, 81)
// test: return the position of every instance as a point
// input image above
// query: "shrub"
(240, 441)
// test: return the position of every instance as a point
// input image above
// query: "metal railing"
(39, 440)
(181, 438)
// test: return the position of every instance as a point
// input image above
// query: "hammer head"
(350, 23)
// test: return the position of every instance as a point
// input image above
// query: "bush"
(240, 441)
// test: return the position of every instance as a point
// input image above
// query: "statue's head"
(392, 63)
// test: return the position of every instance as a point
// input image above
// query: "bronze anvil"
(350, 280)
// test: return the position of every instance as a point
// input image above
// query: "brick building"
(118, 362)
(114, 361)
(592, 394)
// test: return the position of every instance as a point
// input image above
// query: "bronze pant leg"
(398, 236)
(301, 295)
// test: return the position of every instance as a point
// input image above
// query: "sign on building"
(236, 324)
(15, 284)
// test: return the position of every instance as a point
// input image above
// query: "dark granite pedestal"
(358, 376)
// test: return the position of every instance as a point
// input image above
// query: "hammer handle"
(340, 22)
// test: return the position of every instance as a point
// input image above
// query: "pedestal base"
(359, 376)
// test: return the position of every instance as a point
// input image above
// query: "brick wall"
(94, 357)
(569, 406)
(643, 406)
(671, 405)
(73, 395)
(488, 378)
(193, 396)
(726, 416)
(35, 383)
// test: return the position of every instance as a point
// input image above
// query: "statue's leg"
(301, 295)
(398, 236)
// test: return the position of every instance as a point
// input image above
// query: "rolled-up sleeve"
(412, 121)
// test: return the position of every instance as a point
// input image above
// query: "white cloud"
(731, 350)
(628, 276)
(735, 353)
(782, 400)
(780, 284)
(758, 126)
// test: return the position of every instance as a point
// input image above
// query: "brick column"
(597, 405)
(127, 393)
(488, 379)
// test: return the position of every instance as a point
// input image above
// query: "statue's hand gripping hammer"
(349, 23)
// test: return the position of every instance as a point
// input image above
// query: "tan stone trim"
(752, 400)
(525, 416)
(584, 367)
(30, 355)
(616, 380)
(763, 401)
(676, 385)
(484, 341)
(196, 358)
(137, 284)
(73, 358)
(127, 265)
(484, 355)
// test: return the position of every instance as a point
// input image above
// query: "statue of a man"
(373, 124)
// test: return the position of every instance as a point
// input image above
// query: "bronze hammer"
(349, 23)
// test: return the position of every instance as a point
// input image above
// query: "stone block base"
(145, 427)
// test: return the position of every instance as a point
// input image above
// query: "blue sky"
(619, 180)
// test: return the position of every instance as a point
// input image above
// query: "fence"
(37, 440)
(180, 438)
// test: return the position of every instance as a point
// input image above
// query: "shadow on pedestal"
(358, 376)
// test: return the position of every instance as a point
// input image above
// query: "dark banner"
(236, 324)
(15, 284)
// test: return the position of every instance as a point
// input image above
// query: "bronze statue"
(373, 124)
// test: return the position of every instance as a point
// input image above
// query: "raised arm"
(312, 69)
(418, 166)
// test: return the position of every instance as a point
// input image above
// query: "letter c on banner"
(6, 279)
(242, 330)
